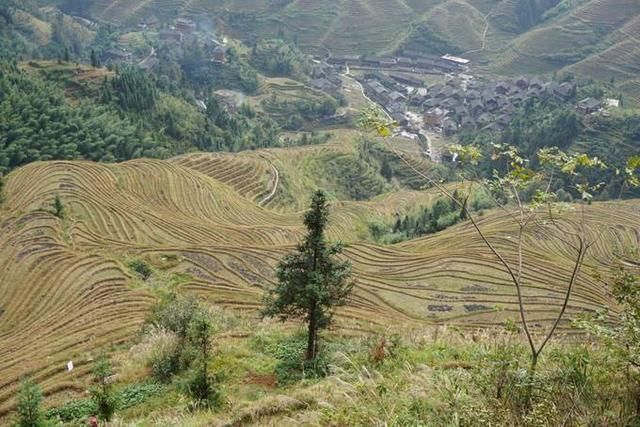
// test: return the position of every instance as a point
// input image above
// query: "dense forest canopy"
(131, 118)
(39, 124)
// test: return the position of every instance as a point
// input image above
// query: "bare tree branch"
(486, 241)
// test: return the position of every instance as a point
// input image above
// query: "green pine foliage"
(132, 118)
(102, 393)
(39, 124)
(292, 113)
(542, 124)
(536, 125)
(276, 57)
(237, 131)
(29, 405)
(202, 386)
(431, 219)
(134, 90)
(312, 281)
(425, 220)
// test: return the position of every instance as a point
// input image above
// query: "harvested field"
(65, 292)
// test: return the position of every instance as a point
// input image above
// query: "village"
(398, 84)
(459, 102)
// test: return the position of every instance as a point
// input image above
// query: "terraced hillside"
(275, 178)
(65, 290)
(594, 38)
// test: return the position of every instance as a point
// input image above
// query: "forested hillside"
(130, 118)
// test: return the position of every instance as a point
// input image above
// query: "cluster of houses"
(592, 105)
(326, 79)
(117, 56)
(176, 33)
(461, 103)
(464, 103)
(389, 90)
(216, 50)
(484, 105)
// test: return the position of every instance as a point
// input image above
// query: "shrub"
(165, 360)
(141, 267)
(447, 220)
(73, 410)
(102, 394)
(175, 313)
(378, 229)
(135, 394)
(29, 405)
(78, 409)
(204, 389)
(58, 207)
(292, 366)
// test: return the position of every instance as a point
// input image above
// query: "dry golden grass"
(65, 292)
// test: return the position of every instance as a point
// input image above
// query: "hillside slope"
(66, 290)
(593, 38)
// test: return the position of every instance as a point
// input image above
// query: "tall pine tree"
(312, 281)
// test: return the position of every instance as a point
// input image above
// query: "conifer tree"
(102, 394)
(312, 281)
(58, 207)
(29, 405)
(94, 59)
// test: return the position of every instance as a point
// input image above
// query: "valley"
(333, 212)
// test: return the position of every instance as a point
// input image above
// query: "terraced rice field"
(65, 292)
(591, 37)
(459, 21)
(344, 26)
(598, 39)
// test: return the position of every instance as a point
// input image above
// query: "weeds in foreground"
(454, 377)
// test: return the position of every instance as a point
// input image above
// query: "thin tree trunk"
(531, 375)
(312, 335)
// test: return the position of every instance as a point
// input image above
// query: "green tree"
(141, 267)
(29, 405)
(58, 207)
(94, 59)
(134, 90)
(386, 170)
(202, 387)
(102, 393)
(312, 281)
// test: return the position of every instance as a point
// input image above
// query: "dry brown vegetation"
(67, 292)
